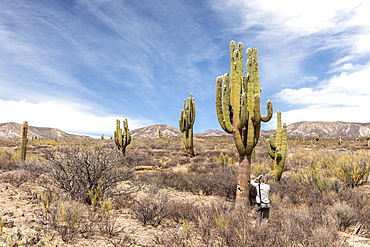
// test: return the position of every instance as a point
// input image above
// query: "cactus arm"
(116, 139)
(192, 110)
(24, 140)
(279, 130)
(269, 108)
(219, 96)
(243, 113)
(226, 109)
(270, 149)
(127, 135)
(284, 143)
(181, 121)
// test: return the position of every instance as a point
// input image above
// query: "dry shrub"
(219, 182)
(358, 199)
(344, 213)
(16, 177)
(353, 169)
(151, 210)
(8, 160)
(82, 168)
(225, 225)
(296, 193)
(66, 217)
(22, 172)
(180, 211)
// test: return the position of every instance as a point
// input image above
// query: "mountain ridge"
(13, 130)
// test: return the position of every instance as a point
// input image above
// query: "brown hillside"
(329, 129)
(14, 131)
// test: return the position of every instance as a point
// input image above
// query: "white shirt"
(265, 189)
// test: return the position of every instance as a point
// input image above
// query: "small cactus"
(186, 122)
(160, 134)
(340, 141)
(122, 137)
(277, 147)
(317, 137)
(24, 140)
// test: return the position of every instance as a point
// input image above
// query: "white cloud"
(66, 116)
(329, 114)
(305, 17)
(341, 98)
(362, 42)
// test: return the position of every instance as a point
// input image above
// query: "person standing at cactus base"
(262, 199)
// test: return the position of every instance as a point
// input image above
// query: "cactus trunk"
(122, 137)
(277, 147)
(239, 111)
(24, 140)
(186, 122)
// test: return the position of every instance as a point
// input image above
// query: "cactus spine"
(239, 111)
(186, 122)
(277, 147)
(24, 140)
(122, 137)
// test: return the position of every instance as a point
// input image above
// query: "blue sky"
(79, 65)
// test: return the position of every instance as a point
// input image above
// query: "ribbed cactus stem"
(122, 137)
(24, 140)
(239, 110)
(277, 147)
(186, 122)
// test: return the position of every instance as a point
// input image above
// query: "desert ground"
(85, 193)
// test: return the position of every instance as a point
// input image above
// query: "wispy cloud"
(67, 116)
(341, 98)
(139, 60)
(313, 53)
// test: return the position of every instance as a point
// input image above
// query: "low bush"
(215, 182)
(151, 210)
(79, 169)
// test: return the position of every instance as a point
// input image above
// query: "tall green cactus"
(122, 137)
(186, 122)
(277, 147)
(24, 140)
(239, 111)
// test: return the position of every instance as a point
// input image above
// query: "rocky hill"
(300, 129)
(152, 131)
(14, 131)
(329, 129)
(211, 133)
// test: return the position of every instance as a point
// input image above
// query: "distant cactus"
(340, 141)
(239, 111)
(277, 147)
(24, 140)
(122, 137)
(186, 122)
(160, 134)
